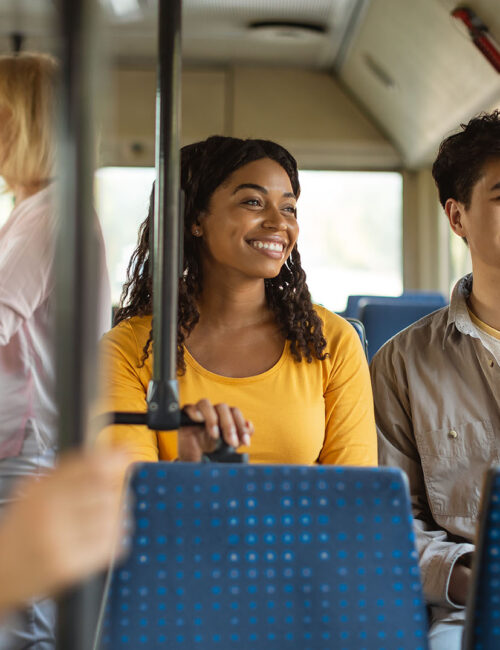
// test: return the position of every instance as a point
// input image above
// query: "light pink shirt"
(27, 365)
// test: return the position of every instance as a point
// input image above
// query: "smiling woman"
(248, 333)
(251, 221)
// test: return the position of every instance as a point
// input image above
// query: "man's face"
(479, 223)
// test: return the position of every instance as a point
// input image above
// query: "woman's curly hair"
(204, 167)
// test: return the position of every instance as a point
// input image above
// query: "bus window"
(346, 247)
(122, 199)
(350, 234)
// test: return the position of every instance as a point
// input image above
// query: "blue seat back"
(418, 295)
(355, 302)
(267, 557)
(360, 330)
(385, 318)
(352, 306)
(482, 630)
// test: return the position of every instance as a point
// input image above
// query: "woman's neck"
(22, 192)
(229, 303)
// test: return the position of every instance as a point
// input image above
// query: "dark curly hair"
(204, 167)
(462, 156)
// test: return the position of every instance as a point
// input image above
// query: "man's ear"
(454, 211)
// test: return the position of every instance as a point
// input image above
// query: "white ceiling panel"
(214, 31)
(415, 70)
(297, 9)
(32, 18)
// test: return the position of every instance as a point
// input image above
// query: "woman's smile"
(273, 247)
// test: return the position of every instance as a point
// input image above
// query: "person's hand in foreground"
(220, 420)
(64, 527)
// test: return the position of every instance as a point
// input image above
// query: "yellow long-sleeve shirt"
(302, 412)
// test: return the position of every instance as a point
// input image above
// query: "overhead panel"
(416, 72)
(215, 32)
(298, 9)
(34, 19)
(219, 31)
(309, 113)
(129, 121)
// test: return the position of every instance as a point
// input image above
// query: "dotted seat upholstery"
(255, 556)
(482, 630)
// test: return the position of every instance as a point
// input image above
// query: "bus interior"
(360, 91)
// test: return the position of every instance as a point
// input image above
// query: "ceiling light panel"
(317, 10)
(218, 31)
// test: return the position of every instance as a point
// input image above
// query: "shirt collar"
(458, 314)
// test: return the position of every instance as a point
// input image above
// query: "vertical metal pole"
(163, 404)
(166, 226)
(76, 273)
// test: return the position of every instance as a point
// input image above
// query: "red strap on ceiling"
(480, 35)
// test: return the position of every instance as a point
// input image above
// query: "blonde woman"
(28, 436)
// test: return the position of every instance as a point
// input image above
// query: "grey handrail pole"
(76, 271)
(163, 397)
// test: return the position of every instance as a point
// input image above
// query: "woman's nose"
(274, 219)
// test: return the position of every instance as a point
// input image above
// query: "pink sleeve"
(26, 254)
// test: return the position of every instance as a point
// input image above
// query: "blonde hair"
(27, 102)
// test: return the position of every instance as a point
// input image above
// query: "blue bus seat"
(360, 329)
(385, 318)
(266, 557)
(352, 310)
(482, 628)
(353, 306)
(424, 296)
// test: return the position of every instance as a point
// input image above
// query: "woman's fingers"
(244, 428)
(227, 425)
(210, 417)
(220, 420)
(193, 412)
(194, 441)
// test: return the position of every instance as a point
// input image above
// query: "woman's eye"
(255, 202)
(291, 209)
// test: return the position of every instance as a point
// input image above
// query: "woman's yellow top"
(303, 413)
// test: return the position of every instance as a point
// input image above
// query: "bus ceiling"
(380, 81)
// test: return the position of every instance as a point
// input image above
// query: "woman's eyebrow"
(495, 187)
(260, 188)
(251, 186)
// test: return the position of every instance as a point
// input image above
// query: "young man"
(437, 384)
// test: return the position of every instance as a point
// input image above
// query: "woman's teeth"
(268, 246)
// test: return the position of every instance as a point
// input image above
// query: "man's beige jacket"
(437, 406)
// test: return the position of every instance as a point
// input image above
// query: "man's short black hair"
(462, 156)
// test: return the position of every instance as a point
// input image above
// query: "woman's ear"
(196, 230)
